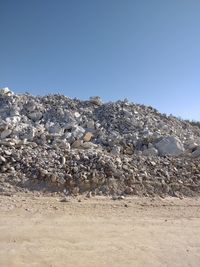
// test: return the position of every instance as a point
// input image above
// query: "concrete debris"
(55, 143)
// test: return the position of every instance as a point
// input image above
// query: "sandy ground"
(42, 231)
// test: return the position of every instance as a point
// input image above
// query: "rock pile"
(59, 143)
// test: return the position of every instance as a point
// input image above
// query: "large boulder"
(170, 145)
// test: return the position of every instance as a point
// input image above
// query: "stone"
(191, 145)
(116, 150)
(63, 160)
(77, 114)
(96, 100)
(128, 151)
(196, 153)
(35, 116)
(61, 180)
(54, 178)
(30, 106)
(170, 145)
(121, 197)
(88, 145)
(65, 199)
(8, 152)
(6, 133)
(91, 124)
(2, 159)
(89, 194)
(54, 129)
(6, 91)
(128, 190)
(77, 144)
(78, 131)
(150, 152)
(87, 137)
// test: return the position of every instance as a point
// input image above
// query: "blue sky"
(145, 50)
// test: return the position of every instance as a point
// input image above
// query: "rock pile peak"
(105, 148)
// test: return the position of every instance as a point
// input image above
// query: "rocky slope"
(57, 143)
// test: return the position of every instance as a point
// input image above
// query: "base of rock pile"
(54, 143)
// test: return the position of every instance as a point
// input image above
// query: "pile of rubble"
(57, 143)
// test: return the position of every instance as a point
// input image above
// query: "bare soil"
(43, 231)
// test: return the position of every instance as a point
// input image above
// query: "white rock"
(6, 91)
(68, 135)
(87, 137)
(2, 159)
(97, 125)
(170, 145)
(63, 160)
(13, 120)
(77, 114)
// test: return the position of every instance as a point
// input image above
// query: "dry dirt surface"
(44, 231)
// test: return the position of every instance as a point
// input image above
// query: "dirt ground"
(43, 231)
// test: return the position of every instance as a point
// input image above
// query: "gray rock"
(77, 144)
(6, 133)
(196, 153)
(78, 131)
(88, 145)
(150, 152)
(170, 145)
(35, 116)
(90, 124)
(116, 150)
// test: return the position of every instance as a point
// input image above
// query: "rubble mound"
(55, 143)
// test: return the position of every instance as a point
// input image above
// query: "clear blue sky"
(145, 50)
